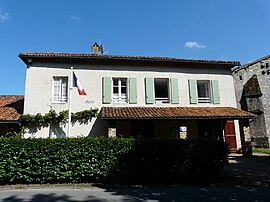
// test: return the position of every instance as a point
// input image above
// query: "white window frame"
(207, 99)
(119, 97)
(159, 100)
(60, 89)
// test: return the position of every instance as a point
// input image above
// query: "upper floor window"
(60, 89)
(161, 90)
(204, 93)
(119, 90)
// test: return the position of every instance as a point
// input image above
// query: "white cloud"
(194, 44)
(75, 18)
(4, 16)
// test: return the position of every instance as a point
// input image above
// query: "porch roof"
(174, 113)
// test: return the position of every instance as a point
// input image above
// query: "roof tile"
(11, 107)
(174, 113)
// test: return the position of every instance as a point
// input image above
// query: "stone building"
(252, 85)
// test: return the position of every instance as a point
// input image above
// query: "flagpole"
(69, 109)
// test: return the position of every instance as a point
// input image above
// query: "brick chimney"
(96, 50)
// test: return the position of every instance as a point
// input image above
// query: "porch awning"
(174, 113)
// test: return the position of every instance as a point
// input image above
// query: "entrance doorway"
(230, 136)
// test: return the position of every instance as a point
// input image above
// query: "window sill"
(204, 100)
(207, 104)
(162, 101)
(57, 102)
(119, 103)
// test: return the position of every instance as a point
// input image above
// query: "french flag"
(77, 84)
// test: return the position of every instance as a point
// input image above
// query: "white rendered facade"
(40, 80)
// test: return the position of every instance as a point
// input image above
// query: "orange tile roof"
(174, 113)
(11, 107)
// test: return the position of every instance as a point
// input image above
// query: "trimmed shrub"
(117, 160)
(156, 161)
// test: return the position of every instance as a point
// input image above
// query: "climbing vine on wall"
(84, 117)
(39, 121)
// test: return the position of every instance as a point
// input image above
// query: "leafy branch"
(84, 117)
(39, 121)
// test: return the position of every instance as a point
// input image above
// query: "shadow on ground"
(253, 170)
(49, 198)
(185, 193)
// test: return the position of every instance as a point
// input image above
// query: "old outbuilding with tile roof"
(11, 108)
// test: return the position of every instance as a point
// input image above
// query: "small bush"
(76, 160)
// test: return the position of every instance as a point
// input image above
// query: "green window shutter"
(174, 91)
(106, 90)
(149, 90)
(132, 90)
(193, 91)
(215, 92)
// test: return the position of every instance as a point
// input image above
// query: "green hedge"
(117, 160)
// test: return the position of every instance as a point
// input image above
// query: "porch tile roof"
(174, 113)
(11, 107)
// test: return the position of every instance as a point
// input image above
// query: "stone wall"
(255, 97)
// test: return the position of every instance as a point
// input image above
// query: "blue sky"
(194, 29)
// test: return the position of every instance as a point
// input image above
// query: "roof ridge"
(95, 56)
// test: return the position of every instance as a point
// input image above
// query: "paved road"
(245, 179)
(248, 171)
(184, 193)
